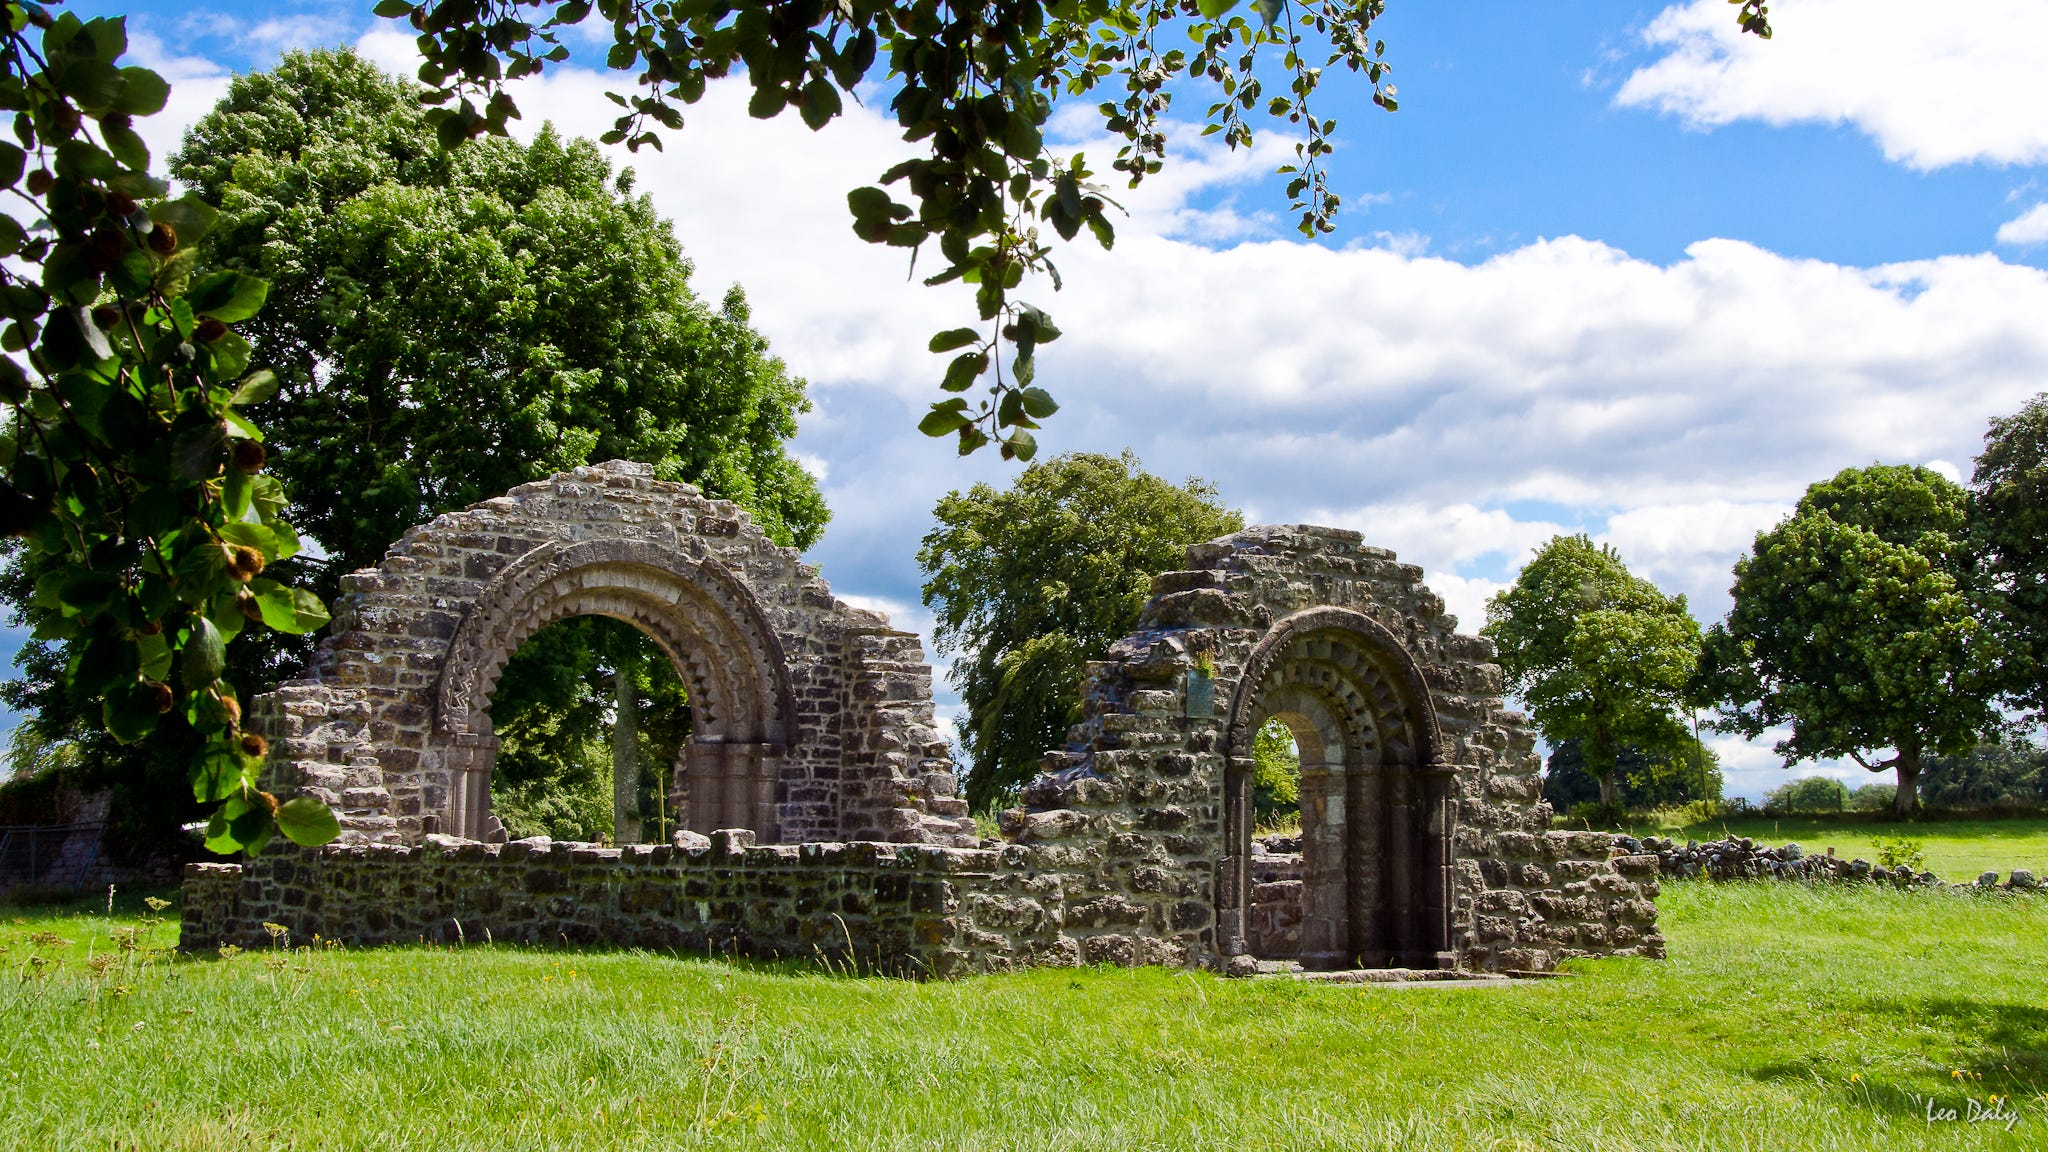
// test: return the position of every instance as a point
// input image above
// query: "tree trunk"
(625, 760)
(1608, 791)
(1907, 801)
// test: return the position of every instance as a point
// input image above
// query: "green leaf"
(130, 713)
(953, 338)
(965, 369)
(944, 418)
(218, 840)
(196, 452)
(252, 828)
(228, 296)
(239, 426)
(190, 217)
(1038, 403)
(255, 388)
(307, 821)
(205, 655)
(313, 614)
(392, 9)
(1020, 444)
(126, 146)
(820, 104)
(143, 92)
(231, 356)
(93, 84)
(217, 774)
(242, 532)
(12, 160)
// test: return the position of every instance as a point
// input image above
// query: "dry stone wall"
(1425, 842)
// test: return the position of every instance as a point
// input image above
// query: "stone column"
(1233, 871)
(1433, 784)
(1325, 900)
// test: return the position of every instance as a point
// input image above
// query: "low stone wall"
(921, 910)
(1272, 923)
(1742, 858)
(1553, 896)
(904, 909)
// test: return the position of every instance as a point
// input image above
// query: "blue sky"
(1610, 268)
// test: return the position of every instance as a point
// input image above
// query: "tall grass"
(1788, 1017)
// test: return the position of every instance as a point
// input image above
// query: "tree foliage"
(1854, 624)
(1808, 794)
(976, 86)
(522, 287)
(2009, 521)
(1598, 655)
(556, 715)
(1276, 776)
(133, 478)
(1033, 582)
(2004, 774)
(1643, 781)
(450, 325)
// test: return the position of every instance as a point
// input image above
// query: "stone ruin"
(817, 796)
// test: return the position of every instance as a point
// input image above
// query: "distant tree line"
(1896, 619)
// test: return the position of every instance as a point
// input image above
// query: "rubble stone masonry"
(833, 826)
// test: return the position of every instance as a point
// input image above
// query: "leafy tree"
(2007, 774)
(557, 774)
(1642, 780)
(129, 473)
(1808, 794)
(1032, 583)
(1599, 656)
(521, 286)
(976, 85)
(1276, 776)
(1854, 624)
(2009, 521)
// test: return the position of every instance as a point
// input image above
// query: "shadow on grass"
(2001, 1049)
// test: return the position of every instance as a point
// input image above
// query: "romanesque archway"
(1375, 844)
(695, 611)
(811, 719)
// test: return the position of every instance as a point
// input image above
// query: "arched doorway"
(1375, 844)
(592, 717)
(729, 772)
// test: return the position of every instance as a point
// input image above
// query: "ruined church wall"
(1137, 797)
(1116, 851)
(858, 753)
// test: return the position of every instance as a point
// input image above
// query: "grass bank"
(1958, 848)
(1788, 1017)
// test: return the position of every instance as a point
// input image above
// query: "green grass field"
(1787, 1017)
(1957, 849)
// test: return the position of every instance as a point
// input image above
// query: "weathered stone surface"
(820, 812)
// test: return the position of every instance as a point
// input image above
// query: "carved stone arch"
(1376, 826)
(1406, 683)
(702, 617)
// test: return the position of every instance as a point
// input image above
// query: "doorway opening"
(592, 719)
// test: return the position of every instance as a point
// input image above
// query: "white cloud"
(197, 84)
(2027, 229)
(1934, 85)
